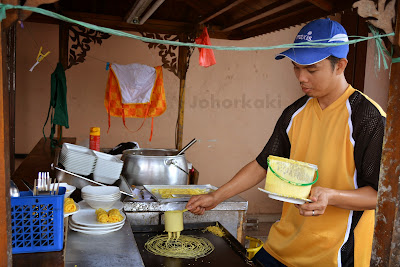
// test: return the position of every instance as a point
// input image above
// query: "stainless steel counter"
(120, 249)
(114, 249)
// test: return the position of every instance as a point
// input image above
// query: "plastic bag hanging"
(206, 58)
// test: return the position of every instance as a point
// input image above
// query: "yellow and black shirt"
(345, 141)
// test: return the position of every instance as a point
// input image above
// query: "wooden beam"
(322, 4)
(182, 69)
(386, 244)
(198, 6)
(357, 56)
(116, 22)
(63, 47)
(5, 214)
(63, 53)
(281, 22)
(11, 34)
(136, 11)
(221, 11)
(263, 15)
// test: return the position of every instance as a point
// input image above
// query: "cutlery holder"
(37, 222)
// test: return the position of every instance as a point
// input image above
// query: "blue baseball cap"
(325, 30)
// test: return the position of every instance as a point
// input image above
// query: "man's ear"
(341, 66)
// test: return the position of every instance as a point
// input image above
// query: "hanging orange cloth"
(154, 108)
(206, 56)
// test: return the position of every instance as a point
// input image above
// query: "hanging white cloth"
(136, 82)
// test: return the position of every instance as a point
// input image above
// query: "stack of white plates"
(85, 222)
(107, 169)
(101, 196)
(77, 159)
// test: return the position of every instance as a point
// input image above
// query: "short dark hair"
(334, 60)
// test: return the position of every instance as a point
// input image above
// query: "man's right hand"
(200, 203)
(247, 177)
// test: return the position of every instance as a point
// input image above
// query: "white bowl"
(97, 204)
(102, 198)
(100, 190)
(69, 188)
(105, 179)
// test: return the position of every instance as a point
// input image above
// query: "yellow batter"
(169, 192)
(186, 247)
(216, 230)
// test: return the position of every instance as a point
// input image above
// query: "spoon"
(186, 147)
(14, 191)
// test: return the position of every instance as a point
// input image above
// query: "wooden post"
(182, 69)
(5, 220)
(11, 35)
(63, 52)
(386, 245)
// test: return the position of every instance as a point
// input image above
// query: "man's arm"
(364, 198)
(247, 177)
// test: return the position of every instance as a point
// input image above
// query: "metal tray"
(228, 251)
(181, 198)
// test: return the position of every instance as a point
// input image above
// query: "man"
(340, 130)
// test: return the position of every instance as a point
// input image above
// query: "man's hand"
(364, 198)
(320, 197)
(247, 177)
(200, 203)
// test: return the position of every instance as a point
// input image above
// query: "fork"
(44, 181)
(44, 184)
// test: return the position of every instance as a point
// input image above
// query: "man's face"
(316, 80)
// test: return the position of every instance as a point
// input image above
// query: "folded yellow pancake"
(114, 216)
(102, 216)
(69, 205)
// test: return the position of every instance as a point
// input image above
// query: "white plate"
(100, 228)
(94, 232)
(78, 208)
(284, 198)
(88, 218)
(85, 206)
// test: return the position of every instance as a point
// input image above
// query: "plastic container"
(255, 245)
(37, 222)
(94, 142)
(289, 177)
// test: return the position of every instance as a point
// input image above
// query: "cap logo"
(307, 37)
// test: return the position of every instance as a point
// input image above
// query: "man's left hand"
(320, 197)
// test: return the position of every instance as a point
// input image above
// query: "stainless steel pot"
(154, 166)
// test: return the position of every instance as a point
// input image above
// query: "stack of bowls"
(101, 196)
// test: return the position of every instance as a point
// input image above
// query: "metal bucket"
(147, 166)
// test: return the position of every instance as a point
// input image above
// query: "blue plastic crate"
(37, 222)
